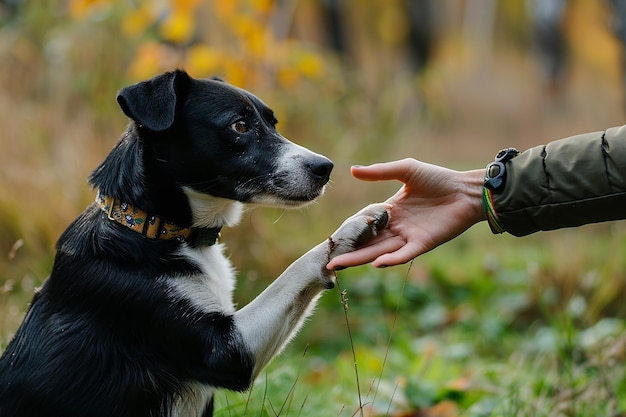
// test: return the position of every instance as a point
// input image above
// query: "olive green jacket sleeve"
(566, 183)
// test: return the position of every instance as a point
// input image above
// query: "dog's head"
(219, 142)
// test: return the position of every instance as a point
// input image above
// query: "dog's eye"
(240, 126)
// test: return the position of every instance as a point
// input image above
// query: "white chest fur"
(194, 401)
(212, 289)
(208, 291)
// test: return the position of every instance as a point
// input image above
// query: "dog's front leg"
(273, 318)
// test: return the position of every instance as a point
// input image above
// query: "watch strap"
(495, 175)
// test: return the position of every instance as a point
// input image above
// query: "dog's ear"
(152, 104)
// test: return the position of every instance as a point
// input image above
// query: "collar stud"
(153, 226)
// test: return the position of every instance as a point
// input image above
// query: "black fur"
(104, 336)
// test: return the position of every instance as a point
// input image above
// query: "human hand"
(434, 205)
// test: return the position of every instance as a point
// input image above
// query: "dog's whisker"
(256, 179)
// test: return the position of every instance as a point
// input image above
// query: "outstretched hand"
(434, 205)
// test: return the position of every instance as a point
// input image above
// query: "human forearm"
(569, 182)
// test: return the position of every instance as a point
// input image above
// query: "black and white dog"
(137, 318)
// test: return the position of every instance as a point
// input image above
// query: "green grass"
(475, 338)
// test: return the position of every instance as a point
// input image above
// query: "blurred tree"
(233, 39)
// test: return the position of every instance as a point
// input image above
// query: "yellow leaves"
(310, 64)
(147, 62)
(230, 38)
(188, 5)
(262, 6)
(257, 40)
(176, 20)
(137, 21)
(203, 60)
(287, 77)
(303, 64)
(179, 26)
(80, 9)
(225, 10)
(235, 72)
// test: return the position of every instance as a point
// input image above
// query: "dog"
(137, 318)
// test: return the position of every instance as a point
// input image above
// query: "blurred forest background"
(485, 325)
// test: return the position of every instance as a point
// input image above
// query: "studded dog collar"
(151, 225)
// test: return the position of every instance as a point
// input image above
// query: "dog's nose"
(321, 169)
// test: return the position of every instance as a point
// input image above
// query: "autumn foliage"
(235, 39)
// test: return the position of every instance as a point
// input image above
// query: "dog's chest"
(194, 401)
(210, 290)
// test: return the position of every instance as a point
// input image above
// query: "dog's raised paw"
(358, 229)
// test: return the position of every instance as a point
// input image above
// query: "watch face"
(493, 170)
(494, 175)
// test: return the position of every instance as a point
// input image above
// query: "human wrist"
(474, 181)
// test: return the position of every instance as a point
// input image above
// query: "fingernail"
(382, 266)
(339, 268)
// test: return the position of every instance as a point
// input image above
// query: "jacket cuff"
(565, 183)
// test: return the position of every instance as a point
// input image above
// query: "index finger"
(365, 254)
(383, 171)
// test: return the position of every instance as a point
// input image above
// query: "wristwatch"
(495, 173)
